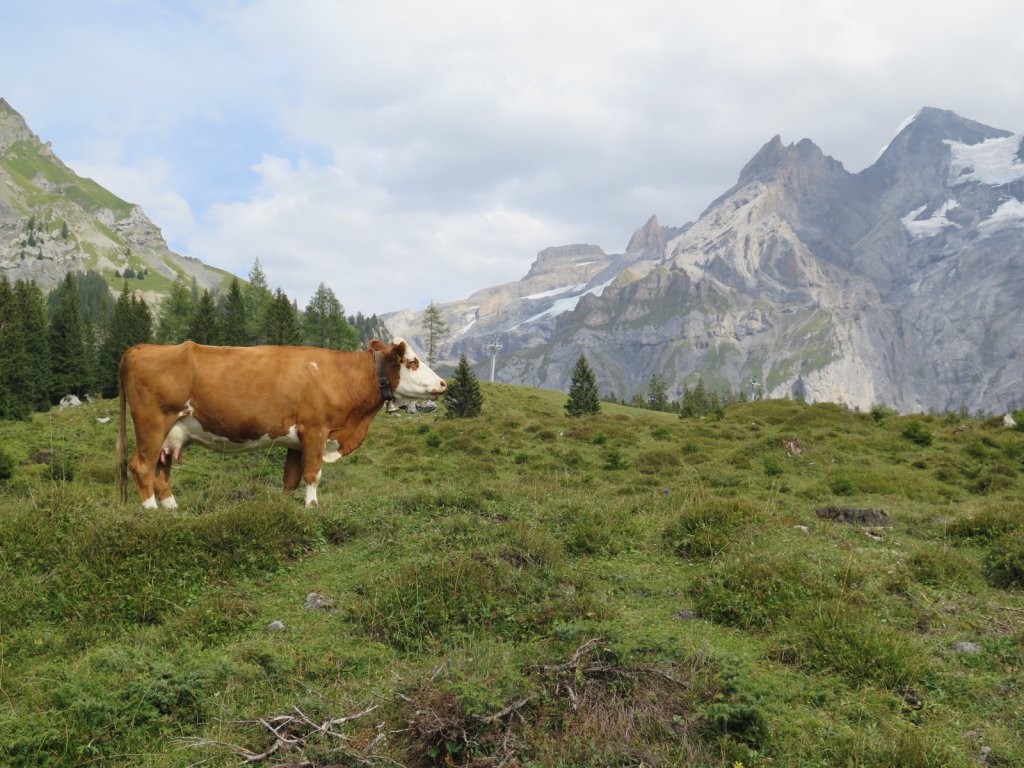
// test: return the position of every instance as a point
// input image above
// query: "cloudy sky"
(405, 151)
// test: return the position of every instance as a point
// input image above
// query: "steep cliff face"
(902, 284)
(53, 221)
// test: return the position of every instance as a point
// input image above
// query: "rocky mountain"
(53, 221)
(902, 284)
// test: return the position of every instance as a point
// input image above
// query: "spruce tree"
(281, 322)
(463, 398)
(131, 323)
(258, 299)
(583, 394)
(68, 363)
(175, 313)
(204, 325)
(325, 325)
(234, 313)
(657, 393)
(14, 362)
(32, 307)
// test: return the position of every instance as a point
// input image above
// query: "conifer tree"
(325, 325)
(31, 305)
(14, 363)
(258, 299)
(583, 395)
(657, 393)
(463, 398)
(436, 330)
(131, 323)
(203, 326)
(281, 322)
(234, 315)
(175, 313)
(69, 366)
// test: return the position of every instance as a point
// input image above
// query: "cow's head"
(410, 377)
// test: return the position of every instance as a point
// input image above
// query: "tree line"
(70, 341)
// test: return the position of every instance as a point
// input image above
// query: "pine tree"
(175, 314)
(69, 366)
(325, 325)
(234, 314)
(657, 393)
(32, 307)
(281, 322)
(583, 394)
(436, 330)
(258, 299)
(14, 362)
(463, 399)
(131, 323)
(204, 325)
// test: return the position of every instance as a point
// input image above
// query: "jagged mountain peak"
(925, 138)
(776, 158)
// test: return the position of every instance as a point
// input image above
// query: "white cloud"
(439, 146)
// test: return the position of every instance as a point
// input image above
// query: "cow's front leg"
(312, 463)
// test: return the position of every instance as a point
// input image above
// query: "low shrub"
(758, 589)
(854, 643)
(1004, 564)
(707, 527)
(917, 433)
(988, 523)
(939, 567)
(7, 464)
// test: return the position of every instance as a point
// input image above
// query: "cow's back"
(240, 393)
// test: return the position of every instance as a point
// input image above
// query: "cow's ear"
(398, 350)
(377, 345)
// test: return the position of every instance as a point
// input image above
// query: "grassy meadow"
(523, 589)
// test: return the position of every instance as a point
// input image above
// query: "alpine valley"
(900, 285)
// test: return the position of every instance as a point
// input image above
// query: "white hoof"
(169, 503)
(149, 503)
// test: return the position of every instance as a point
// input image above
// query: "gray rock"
(318, 602)
(276, 626)
(967, 647)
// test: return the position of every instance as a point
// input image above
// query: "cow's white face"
(416, 379)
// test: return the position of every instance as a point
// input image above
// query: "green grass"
(616, 590)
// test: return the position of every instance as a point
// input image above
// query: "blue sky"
(404, 152)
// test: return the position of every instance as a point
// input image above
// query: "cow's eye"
(414, 364)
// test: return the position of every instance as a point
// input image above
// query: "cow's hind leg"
(292, 470)
(146, 463)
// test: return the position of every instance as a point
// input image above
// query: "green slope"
(524, 588)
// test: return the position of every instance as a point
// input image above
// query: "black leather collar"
(382, 379)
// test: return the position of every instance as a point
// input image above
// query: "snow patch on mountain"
(555, 292)
(931, 226)
(993, 161)
(899, 130)
(568, 304)
(1009, 214)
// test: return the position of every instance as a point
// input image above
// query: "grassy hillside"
(523, 589)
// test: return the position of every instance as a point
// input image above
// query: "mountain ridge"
(894, 285)
(53, 221)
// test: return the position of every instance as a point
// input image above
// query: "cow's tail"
(121, 472)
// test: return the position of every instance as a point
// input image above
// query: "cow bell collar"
(382, 378)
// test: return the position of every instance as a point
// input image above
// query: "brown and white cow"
(317, 403)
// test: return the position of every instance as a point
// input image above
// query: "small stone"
(686, 615)
(103, 420)
(317, 602)
(803, 528)
(967, 647)
(276, 626)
